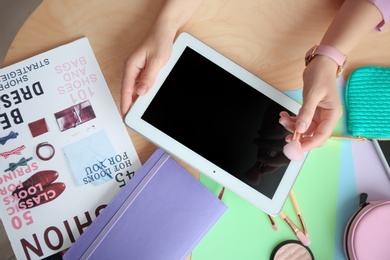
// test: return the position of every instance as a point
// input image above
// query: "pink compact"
(367, 234)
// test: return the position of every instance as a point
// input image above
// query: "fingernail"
(300, 127)
(141, 90)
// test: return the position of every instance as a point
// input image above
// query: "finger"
(289, 138)
(311, 129)
(305, 115)
(129, 80)
(315, 141)
(148, 76)
(284, 114)
(319, 137)
(287, 122)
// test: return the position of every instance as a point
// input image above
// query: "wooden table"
(267, 37)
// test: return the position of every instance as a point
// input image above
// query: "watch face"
(341, 68)
(310, 54)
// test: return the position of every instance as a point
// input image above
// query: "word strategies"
(19, 76)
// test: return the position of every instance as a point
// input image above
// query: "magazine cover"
(64, 150)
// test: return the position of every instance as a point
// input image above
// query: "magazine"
(64, 150)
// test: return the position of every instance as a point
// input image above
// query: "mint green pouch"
(367, 98)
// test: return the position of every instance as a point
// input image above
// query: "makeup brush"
(298, 212)
(273, 223)
(221, 193)
(293, 149)
(304, 239)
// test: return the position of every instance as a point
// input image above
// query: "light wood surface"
(267, 37)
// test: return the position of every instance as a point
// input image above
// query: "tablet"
(383, 149)
(222, 120)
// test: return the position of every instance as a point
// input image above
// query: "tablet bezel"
(134, 121)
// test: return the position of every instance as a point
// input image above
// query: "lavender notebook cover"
(162, 213)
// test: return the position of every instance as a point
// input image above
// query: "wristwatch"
(329, 51)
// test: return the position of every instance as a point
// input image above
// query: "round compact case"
(367, 234)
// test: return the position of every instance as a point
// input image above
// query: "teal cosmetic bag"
(367, 98)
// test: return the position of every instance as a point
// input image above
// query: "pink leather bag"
(367, 234)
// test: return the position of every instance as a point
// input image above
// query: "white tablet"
(222, 120)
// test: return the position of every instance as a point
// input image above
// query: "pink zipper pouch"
(367, 234)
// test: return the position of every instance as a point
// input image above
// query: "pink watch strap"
(332, 53)
(329, 51)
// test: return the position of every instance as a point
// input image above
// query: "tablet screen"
(223, 119)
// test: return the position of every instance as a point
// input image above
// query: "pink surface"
(371, 177)
(372, 233)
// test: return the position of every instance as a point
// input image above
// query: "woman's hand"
(142, 67)
(321, 107)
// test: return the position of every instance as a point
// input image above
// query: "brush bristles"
(304, 239)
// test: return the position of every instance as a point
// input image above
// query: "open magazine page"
(64, 150)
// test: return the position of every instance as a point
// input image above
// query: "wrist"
(163, 31)
(320, 68)
(339, 58)
(168, 24)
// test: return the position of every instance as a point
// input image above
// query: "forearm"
(173, 15)
(353, 21)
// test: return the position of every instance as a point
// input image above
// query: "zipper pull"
(358, 138)
(363, 199)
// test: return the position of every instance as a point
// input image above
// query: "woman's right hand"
(321, 108)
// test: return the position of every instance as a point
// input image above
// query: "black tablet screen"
(223, 119)
(385, 147)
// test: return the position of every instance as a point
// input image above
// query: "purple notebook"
(162, 213)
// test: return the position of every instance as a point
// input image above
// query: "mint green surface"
(244, 232)
(317, 190)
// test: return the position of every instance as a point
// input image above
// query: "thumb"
(305, 116)
(147, 78)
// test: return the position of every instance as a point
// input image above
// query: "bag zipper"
(358, 138)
